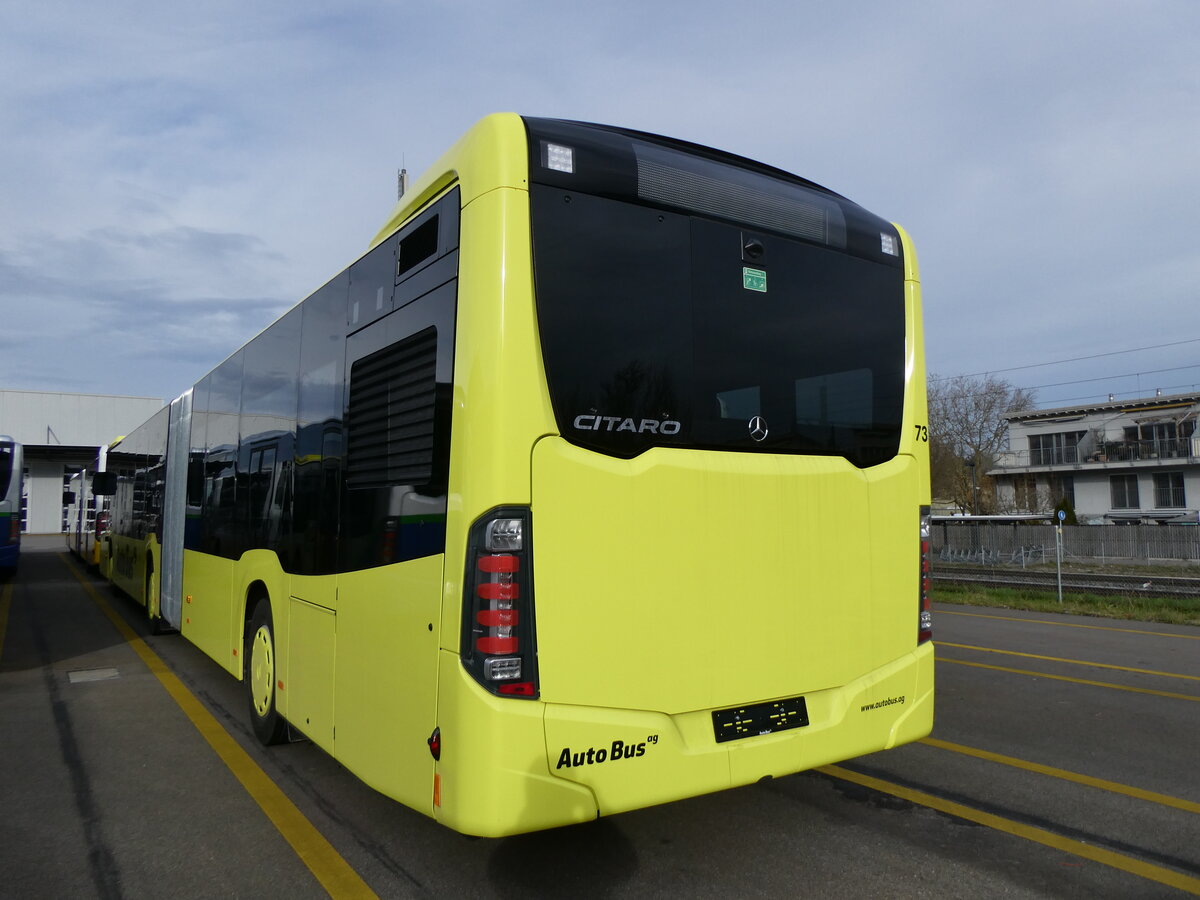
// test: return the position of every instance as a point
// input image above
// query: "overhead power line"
(1038, 387)
(1131, 395)
(1059, 362)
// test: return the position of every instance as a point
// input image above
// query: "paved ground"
(1090, 789)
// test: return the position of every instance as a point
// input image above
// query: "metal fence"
(1021, 544)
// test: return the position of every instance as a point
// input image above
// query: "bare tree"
(967, 431)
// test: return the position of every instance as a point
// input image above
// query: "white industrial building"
(62, 434)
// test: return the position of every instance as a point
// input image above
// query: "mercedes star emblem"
(758, 428)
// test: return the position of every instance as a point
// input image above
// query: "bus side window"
(371, 285)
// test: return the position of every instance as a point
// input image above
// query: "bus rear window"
(663, 327)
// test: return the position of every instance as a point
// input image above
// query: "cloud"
(174, 177)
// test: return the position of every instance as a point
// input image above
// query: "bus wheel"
(260, 676)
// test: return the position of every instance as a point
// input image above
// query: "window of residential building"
(1124, 491)
(1062, 487)
(1168, 490)
(1054, 449)
(1025, 492)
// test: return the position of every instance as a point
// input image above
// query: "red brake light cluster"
(925, 615)
(498, 637)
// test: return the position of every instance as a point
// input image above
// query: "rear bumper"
(681, 757)
(510, 766)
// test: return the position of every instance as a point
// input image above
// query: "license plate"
(759, 718)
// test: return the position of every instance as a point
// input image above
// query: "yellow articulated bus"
(600, 481)
(86, 500)
(129, 546)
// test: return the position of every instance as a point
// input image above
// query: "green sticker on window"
(754, 279)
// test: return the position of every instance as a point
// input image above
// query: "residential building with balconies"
(1115, 462)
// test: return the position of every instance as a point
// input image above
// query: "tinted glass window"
(6, 458)
(661, 328)
(193, 531)
(372, 280)
(268, 429)
(224, 532)
(318, 455)
(418, 246)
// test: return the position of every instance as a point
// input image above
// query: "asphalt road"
(1063, 764)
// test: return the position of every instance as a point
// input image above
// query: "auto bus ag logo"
(618, 750)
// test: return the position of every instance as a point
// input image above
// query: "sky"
(173, 177)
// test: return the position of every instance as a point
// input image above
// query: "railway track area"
(1150, 584)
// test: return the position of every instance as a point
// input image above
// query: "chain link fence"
(995, 543)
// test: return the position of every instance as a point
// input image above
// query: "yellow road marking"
(314, 850)
(1074, 662)
(5, 602)
(1105, 684)
(1129, 864)
(1171, 634)
(1065, 775)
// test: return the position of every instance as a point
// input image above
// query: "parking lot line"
(1132, 865)
(1167, 634)
(1103, 684)
(1074, 662)
(314, 850)
(1065, 775)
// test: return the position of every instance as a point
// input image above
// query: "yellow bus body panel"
(127, 562)
(679, 581)
(386, 677)
(207, 603)
(493, 774)
(500, 402)
(491, 154)
(308, 649)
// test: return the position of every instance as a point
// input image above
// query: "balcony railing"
(1166, 451)
(1053, 456)
(1132, 451)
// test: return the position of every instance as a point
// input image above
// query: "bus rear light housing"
(924, 613)
(498, 635)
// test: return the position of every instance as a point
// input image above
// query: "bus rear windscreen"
(662, 327)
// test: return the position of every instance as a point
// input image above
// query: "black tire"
(259, 675)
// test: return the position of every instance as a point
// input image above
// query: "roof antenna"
(401, 180)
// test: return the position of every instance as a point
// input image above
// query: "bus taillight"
(497, 643)
(925, 615)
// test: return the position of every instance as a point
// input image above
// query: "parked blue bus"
(12, 462)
